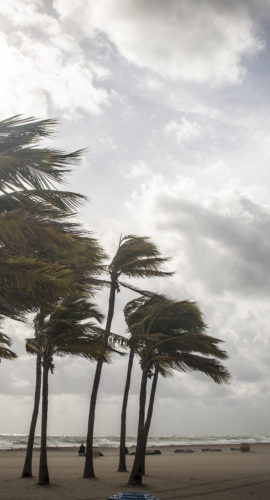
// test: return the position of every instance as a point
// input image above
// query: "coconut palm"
(168, 335)
(35, 233)
(136, 257)
(135, 313)
(27, 468)
(70, 328)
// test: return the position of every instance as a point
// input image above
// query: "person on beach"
(81, 450)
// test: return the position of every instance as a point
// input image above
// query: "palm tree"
(137, 314)
(168, 334)
(38, 323)
(5, 343)
(70, 328)
(82, 256)
(136, 257)
(35, 232)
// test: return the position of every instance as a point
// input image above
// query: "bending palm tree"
(63, 332)
(137, 314)
(27, 468)
(136, 257)
(168, 335)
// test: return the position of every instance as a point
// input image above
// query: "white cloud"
(201, 41)
(151, 84)
(184, 131)
(44, 68)
(137, 170)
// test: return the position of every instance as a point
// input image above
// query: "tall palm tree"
(35, 233)
(70, 328)
(169, 335)
(136, 257)
(82, 255)
(38, 323)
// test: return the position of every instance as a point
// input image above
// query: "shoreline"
(170, 476)
(196, 447)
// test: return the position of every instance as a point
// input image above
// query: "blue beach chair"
(132, 495)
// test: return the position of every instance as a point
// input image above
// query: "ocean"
(18, 441)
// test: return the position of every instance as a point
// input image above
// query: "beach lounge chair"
(132, 495)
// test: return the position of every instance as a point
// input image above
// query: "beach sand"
(199, 475)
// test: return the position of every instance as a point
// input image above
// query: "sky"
(171, 100)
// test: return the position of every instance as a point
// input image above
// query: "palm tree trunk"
(89, 466)
(135, 477)
(43, 467)
(122, 455)
(27, 469)
(150, 413)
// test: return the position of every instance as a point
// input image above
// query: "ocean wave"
(19, 441)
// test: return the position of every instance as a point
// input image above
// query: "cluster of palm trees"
(51, 267)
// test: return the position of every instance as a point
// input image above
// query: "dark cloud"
(227, 251)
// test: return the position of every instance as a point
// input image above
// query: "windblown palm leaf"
(186, 362)
(44, 233)
(65, 201)
(45, 263)
(71, 326)
(5, 343)
(5, 352)
(138, 257)
(163, 329)
(43, 256)
(23, 166)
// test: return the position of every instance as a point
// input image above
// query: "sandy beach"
(207, 475)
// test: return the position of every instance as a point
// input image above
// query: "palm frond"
(25, 167)
(138, 256)
(170, 333)
(192, 362)
(32, 347)
(70, 327)
(62, 200)
(5, 343)
(17, 131)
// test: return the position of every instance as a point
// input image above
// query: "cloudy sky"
(172, 101)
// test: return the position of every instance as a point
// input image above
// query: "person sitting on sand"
(81, 450)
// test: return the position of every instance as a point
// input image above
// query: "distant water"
(17, 441)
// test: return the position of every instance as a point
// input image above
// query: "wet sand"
(199, 475)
